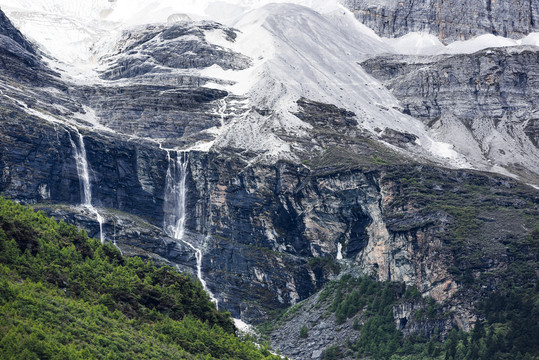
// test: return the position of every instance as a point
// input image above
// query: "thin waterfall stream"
(339, 251)
(222, 111)
(84, 180)
(175, 207)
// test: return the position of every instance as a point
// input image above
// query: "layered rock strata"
(448, 20)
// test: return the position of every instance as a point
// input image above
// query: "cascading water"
(175, 210)
(175, 194)
(221, 111)
(84, 180)
(198, 256)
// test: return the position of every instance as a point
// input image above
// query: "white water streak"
(84, 180)
(175, 209)
(175, 195)
(339, 251)
(221, 111)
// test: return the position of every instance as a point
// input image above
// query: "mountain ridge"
(279, 189)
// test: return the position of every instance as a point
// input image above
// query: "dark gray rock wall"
(34, 158)
(9, 31)
(449, 20)
(276, 206)
(173, 115)
(180, 46)
(127, 175)
(486, 101)
(38, 164)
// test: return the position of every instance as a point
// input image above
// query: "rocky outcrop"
(485, 102)
(322, 332)
(412, 318)
(172, 115)
(319, 327)
(184, 45)
(9, 31)
(270, 233)
(449, 20)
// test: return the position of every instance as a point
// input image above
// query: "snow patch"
(243, 326)
(478, 43)
(417, 43)
(531, 39)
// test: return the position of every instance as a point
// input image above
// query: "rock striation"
(272, 233)
(154, 48)
(9, 32)
(448, 20)
(486, 101)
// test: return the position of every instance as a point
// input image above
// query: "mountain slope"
(322, 39)
(63, 295)
(265, 159)
(356, 318)
(484, 100)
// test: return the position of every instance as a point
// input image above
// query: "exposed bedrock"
(273, 233)
(449, 20)
(485, 104)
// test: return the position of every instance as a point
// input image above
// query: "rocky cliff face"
(38, 164)
(487, 101)
(10, 33)
(449, 20)
(181, 46)
(445, 233)
(266, 233)
(260, 227)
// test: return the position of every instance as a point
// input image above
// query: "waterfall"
(221, 111)
(84, 180)
(175, 194)
(175, 209)
(339, 251)
(198, 256)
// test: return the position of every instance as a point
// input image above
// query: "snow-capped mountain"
(243, 141)
(308, 49)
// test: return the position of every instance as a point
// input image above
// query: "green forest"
(66, 296)
(507, 328)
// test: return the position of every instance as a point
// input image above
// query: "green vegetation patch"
(65, 296)
(328, 263)
(507, 327)
(482, 219)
